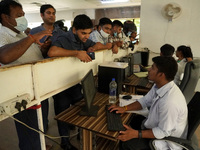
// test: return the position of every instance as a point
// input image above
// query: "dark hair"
(166, 65)
(82, 22)
(129, 26)
(117, 23)
(167, 50)
(5, 7)
(104, 21)
(45, 7)
(186, 51)
(60, 24)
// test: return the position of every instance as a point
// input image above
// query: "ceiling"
(33, 6)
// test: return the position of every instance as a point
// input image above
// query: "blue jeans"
(62, 101)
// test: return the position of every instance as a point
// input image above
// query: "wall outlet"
(9, 106)
(1, 110)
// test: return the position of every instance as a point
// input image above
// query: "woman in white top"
(184, 54)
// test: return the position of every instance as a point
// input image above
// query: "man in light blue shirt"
(102, 33)
(48, 14)
(167, 110)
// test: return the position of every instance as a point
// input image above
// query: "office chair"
(190, 79)
(193, 123)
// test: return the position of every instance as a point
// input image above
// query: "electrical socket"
(1, 110)
(9, 106)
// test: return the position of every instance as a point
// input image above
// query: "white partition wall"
(35, 82)
(54, 75)
(15, 82)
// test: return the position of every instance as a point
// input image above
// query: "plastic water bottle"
(112, 91)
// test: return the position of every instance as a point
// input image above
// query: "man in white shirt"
(167, 110)
(16, 48)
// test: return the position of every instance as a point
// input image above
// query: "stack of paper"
(141, 74)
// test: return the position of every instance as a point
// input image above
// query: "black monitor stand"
(91, 112)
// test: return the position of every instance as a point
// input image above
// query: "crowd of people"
(166, 103)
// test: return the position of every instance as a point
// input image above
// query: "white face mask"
(129, 33)
(104, 34)
(22, 24)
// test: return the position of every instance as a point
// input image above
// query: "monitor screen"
(89, 92)
(137, 59)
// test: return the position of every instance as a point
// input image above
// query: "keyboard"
(114, 122)
(143, 82)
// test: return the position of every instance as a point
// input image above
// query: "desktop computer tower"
(129, 69)
(144, 57)
(105, 75)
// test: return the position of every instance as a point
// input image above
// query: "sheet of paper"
(141, 74)
(123, 102)
(121, 65)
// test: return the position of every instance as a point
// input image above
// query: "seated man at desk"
(167, 110)
(167, 50)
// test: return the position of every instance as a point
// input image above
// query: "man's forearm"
(55, 51)
(134, 106)
(147, 134)
(11, 52)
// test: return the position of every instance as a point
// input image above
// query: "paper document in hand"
(124, 102)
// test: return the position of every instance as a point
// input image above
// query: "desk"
(132, 86)
(89, 125)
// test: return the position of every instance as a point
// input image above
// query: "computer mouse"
(127, 97)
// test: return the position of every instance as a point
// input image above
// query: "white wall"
(66, 15)
(156, 30)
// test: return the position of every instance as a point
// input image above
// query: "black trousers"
(62, 101)
(29, 139)
(135, 144)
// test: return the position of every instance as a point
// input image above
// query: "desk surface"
(95, 124)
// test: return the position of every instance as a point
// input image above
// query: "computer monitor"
(89, 92)
(137, 59)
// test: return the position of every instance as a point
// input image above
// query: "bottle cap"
(113, 79)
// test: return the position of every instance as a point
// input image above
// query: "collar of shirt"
(55, 28)
(9, 31)
(72, 37)
(164, 89)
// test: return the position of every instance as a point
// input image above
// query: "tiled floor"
(9, 141)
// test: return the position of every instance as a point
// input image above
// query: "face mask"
(129, 33)
(22, 24)
(104, 34)
(115, 34)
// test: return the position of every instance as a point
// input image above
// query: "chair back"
(186, 76)
(193, 115)
(190, 79)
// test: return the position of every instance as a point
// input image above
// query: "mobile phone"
(92, 55)
(47, 39)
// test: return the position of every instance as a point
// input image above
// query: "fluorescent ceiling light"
(113, 1)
